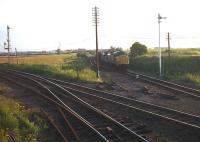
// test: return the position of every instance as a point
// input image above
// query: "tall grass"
(69, 66)
(15, 120)
(80, 69)
(182, 66)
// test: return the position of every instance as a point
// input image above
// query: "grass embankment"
(24, 125)
(69, 66)
(183, 66)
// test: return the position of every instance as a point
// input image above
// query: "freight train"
(117, 58)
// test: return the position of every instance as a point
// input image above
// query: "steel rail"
(162, 83)
(167, 82)
(45, 113)
(64, 106)
(128, 101)
(54, 125)
(88, 105)
(126, 104)
(11, 137)
(191, 117)
(167, 85)
(133, 102)
(69, 125)
(107, 95)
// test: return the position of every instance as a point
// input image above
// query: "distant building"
(81, 50)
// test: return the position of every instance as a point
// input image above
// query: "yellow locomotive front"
(116, 58)
(121, 58)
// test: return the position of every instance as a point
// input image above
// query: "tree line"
(136, 49)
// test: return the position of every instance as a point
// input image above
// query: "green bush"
(82, 54)
(137, 49)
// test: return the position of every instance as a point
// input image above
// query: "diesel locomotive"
(117, 58)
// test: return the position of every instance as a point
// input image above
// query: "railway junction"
(79, 112)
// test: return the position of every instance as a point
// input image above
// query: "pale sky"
(43, 24)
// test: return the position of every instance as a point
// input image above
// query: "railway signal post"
(8, 42)
(95, 14)
(160, 56)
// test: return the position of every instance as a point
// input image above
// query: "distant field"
(176, 52)
(53, 59)
(59, 65)
(183, 65)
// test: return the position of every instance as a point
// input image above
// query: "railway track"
(48, 116)
(165, 114)
(175, 115)
(101, 126)
(178, 117)
(183, 90)
(172, 113)
(176, 88)
(91, 134)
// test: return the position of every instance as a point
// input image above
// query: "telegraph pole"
(95, 15)
(16, 54)
(8, 39)
(160, 56)
(168, 40)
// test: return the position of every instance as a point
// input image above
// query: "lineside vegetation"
(25, 125)
(69, 66)
(183, 66)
